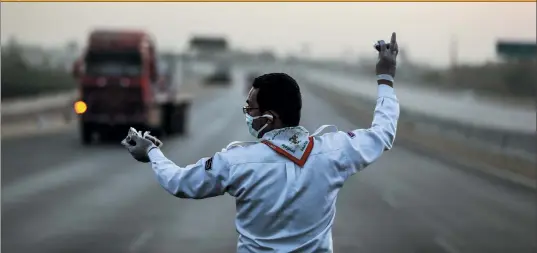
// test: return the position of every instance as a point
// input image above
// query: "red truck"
(121, 86)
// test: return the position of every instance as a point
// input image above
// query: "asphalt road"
(58, 196)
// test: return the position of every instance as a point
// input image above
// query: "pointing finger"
(394, 38)
(393, 43)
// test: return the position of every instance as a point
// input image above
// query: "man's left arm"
(209, 177)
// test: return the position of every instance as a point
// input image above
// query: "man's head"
(277, 95)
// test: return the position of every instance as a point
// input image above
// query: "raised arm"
(363, 146)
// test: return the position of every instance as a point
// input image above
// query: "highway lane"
(99, 200)
(60, 197)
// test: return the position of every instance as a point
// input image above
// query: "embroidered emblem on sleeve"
(209, 164)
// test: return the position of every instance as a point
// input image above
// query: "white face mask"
(250, 121)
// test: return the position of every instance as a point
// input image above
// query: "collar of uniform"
(285, 133)
(294, 143)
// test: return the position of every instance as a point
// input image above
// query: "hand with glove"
(139, 146)
(153, 139)
(387, 64)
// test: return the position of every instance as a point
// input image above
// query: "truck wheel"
(167, 115)
(167, 119)
(179, 119)
(86, 133)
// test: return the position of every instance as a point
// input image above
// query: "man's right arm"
(209, 177)
(363, 146)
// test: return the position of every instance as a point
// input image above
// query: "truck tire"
(175, 118)
(86, 133)
(178, 120)
(167, 116)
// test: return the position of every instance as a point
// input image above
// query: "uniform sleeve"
(363, 146)
(209, 177)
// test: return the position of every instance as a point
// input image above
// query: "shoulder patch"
(351, 134)
(209, 164)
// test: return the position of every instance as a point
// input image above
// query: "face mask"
(250, 121)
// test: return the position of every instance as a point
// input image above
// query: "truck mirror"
(77, 70)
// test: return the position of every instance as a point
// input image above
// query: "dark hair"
(280, 93)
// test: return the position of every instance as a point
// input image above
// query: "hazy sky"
(330, 29)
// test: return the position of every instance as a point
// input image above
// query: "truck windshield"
(113, 64)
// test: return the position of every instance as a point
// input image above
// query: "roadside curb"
(32, 126)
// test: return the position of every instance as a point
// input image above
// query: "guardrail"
(510, 134)
(22, 109)
(435, 103)
(522, 145)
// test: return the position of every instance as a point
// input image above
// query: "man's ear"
(273, 114)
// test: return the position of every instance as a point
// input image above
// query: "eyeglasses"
(246, 109)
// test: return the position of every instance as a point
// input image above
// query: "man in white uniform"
(285, 184)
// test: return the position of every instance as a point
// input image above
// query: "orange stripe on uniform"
(280, 151)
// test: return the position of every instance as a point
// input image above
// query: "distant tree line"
(508, 78)
(21, 79)
(517, 79)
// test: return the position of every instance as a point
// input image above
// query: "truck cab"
(120, 87)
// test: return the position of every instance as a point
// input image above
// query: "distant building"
(516, 50)
(40, 57)
(208, 46)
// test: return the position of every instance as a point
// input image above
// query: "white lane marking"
(141, 240)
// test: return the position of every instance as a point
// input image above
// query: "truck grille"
(113, 100)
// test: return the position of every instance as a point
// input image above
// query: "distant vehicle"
(221, 76)
(121, 85)
(208, 47)
(249, 81)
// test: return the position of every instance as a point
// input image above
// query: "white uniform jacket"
(286, 185)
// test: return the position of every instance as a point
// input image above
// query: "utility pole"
(453, 56)
(453, 51)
